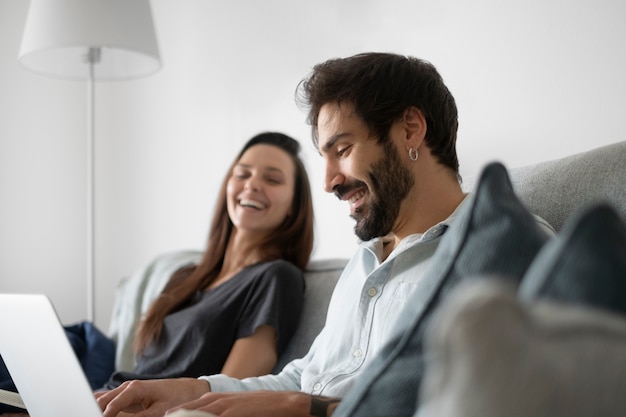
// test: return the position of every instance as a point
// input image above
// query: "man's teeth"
(252, 203)
(356, 196)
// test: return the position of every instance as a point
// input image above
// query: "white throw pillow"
(489, 355)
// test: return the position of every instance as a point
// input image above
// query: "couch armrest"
(135, 294)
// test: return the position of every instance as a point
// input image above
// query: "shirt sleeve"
(276, 299)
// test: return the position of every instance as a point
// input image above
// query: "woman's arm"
(254, 355)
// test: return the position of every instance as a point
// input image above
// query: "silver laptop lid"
(40, 359)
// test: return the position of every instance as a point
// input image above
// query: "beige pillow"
(488, 355)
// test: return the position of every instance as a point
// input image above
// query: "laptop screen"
(40, 359)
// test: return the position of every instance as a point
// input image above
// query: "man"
(386, 127)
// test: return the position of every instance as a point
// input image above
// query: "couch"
(554, 190)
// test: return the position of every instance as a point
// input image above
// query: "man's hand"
(323, 406)
(150, 398)
(263, 404)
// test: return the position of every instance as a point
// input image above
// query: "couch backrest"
(320, 279)
(555, 189)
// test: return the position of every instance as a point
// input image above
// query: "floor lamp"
(90, 40)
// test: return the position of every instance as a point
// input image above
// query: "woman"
(234, 312)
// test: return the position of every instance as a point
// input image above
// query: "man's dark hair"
(381, 86)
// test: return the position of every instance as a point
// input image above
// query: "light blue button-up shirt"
(367, 301)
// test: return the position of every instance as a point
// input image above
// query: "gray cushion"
(585, 265)
(489, 355)
(554, 190)
(320, 278)
(493, 234)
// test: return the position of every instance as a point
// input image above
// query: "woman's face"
(260, 190)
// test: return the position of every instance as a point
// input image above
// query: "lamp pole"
(92, 58)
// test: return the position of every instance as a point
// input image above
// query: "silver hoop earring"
(413, 156)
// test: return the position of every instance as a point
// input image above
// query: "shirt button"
(372, 292)
(317, 387)
(357, 353)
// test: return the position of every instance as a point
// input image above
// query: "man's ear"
(414, 126)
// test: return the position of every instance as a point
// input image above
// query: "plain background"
(534, 80)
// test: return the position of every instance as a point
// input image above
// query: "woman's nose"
(252, 183)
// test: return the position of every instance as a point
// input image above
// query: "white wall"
(534, 80)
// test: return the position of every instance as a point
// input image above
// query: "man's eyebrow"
(333, 139)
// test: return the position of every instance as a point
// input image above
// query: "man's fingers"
(127, 397)
(181, 412)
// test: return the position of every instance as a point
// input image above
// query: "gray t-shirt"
(197, 339)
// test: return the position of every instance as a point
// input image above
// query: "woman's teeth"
(252, 203)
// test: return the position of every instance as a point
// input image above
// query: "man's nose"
(332, 178)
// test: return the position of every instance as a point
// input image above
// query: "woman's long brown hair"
(292, 241)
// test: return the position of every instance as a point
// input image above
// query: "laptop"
(41, 361)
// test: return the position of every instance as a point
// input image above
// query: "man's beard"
(389, 178)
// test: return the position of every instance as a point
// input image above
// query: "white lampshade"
(58, 34)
